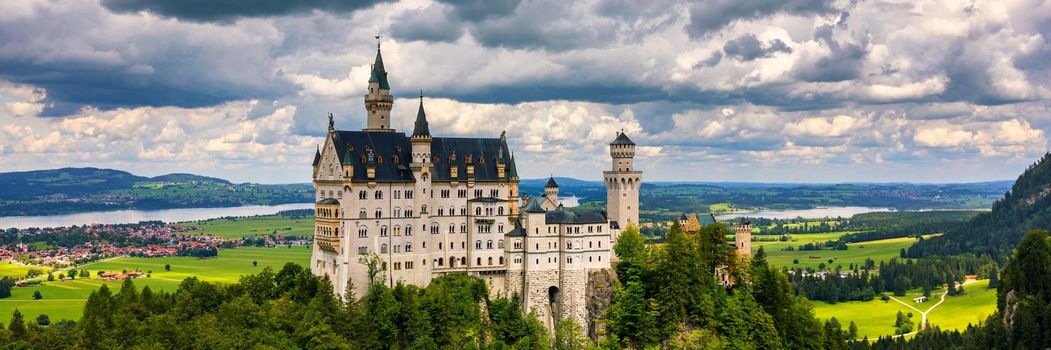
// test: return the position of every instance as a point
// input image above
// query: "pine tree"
(17, 327)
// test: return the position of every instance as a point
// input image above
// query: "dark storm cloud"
(432, 23)
(711, 61)
(709, 16)
(842, 63)
(747, 48)
(477, 10)
(225, 10)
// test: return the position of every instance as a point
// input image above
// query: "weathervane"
(378, 36)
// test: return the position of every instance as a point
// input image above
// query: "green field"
(977, 303)
(65, 300)
(16, 271)
(875, 318)
(856, 253)
(254, 226)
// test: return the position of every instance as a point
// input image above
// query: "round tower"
(743, 238)
(622, 184)
(378, 102)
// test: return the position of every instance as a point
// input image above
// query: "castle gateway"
(429, 206)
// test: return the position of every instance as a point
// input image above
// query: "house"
(920, 299)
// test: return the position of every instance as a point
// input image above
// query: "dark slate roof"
(518, 231)
(682, 217)
(551, 183)
(422, 128)
(352, 146)
(743, 222)
(512, 171)
(533, 206)
(317, 157)
(328, 201)
(378, 73)
(485, 199)
(569, 217)
(456, 148)
(614, 225)
(622, 139)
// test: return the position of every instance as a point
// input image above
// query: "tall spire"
(379, 75)
(422, 128)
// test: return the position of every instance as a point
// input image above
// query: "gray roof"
(317, 157)
(569, 217)
(328, 201)
(533, 206)
(518, 231)
(622, 139)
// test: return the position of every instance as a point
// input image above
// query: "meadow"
(65, 299)
(254, 226)
(856, 253)
(15, 270)
(876, 318)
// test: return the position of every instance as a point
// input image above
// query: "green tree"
(167, 267)
(17, 326)
(43, 320)
(631, 250)
(37, 295)
(569, 335)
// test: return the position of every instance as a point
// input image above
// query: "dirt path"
(923, 321)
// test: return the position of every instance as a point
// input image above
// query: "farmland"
(65, 300)
(856, 253)
(235, 228)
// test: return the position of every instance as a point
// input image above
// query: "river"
(133, 216)
(814, 213)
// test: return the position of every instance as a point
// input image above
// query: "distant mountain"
(182, 177)
(1027, 205)
(71, 190)
(25, 185)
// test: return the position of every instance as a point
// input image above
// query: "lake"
(133, 216)
(814, 213)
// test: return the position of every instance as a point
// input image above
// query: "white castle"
(430, 206)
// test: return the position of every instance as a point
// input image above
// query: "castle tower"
(622, 183)
(421, 138)
(550, 194)
(743, 238)
(379, 101)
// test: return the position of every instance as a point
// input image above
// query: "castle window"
(441, 262)
(383, 231)
(463, 260)
(501, 260)
(489, 244)
(481, 160)
(463, 212)
(452, 228)
(362, 195)
(441, 211)
(478, 244)
(478, 193)
(440, 245)
(478, 211)
(490, 261)
(518, 244)
(397, 195)
(500, 228)
(362, 159)
(362, 214)
(463, 228)
(397, 249)
(408, 230)
(379, 194)
(379, 213)
(363, 232)
(434, 230)
(397, 212)
(500, 244)
(408, 247)
(379, 159)
(423, 209)
(408, 194)
(396, 159)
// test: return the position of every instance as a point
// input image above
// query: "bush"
(37, 295)
(43, 320)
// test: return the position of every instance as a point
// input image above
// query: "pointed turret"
(379, 74)
(551, 182)
(422, 128)
(317, 156)
(379, 101)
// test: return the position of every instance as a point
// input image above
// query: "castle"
(429, 206)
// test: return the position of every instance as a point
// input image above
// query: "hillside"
(71, 190)
(1027, 205)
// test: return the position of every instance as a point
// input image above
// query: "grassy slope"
(875, 318)
(255, 226)
(856, 253)
(977, 303)
(8, 268)
(65, 300)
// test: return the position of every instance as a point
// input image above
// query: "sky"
(720, 90)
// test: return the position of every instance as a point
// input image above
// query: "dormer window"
(396, 159)
(379, 159)
(481, 160)
(362, 159)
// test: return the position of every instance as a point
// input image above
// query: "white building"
(429, 206)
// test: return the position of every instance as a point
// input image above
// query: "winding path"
(923, 322)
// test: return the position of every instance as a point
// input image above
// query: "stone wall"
(573, 296)
(599, 297)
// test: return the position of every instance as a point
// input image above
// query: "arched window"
(500, 244)
(362, 214)
(479, 263)
(500, 211)
(423, 209)
(489, 244)
(478, 211)
(408, 247)
(452, 228)
(397, 212)
(478, 244)
(379, 194)
(490, 261)
(500, 228)
(463, 211)
(397, 230)
(363, 232)
(362, 195)
(408, 230)
(463, 260)
(383, 248)
(441, 262)
(379, 213)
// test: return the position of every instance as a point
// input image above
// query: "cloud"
(709, 16)
(748, 48)
(227, 10)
